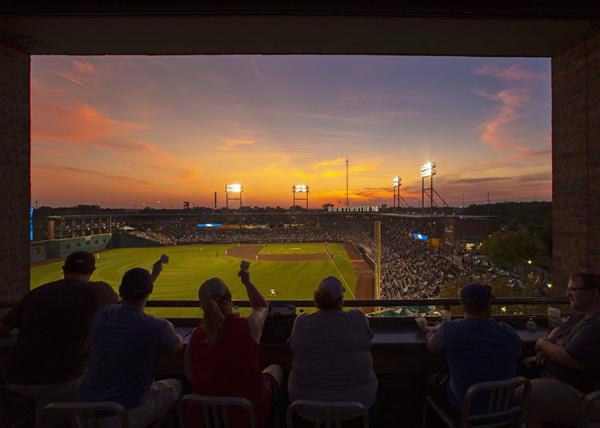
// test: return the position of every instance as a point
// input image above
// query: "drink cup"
(554, 317)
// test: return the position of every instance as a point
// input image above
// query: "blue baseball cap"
(333, 286)
(136, 284)
(476, 295)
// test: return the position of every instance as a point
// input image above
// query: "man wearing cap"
(478, 348)
(331, 352)
(48, 361)
(126, 345)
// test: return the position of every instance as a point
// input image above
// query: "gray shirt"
(331, 358)
(580, 337)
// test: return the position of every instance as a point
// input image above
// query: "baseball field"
(279, 271)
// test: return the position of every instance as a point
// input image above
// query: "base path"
(364, 283)
(251, 252)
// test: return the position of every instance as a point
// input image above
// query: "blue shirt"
(126, 344)
(477, 351)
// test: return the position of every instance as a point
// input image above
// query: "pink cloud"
(81, 123)
(83, 66)
(71, 170)
(512, 73)
(496, 129)
(69, 77)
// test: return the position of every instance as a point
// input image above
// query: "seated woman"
(223, 357)
(331, 357)
(569, 358)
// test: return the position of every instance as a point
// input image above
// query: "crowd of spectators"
(410, 268)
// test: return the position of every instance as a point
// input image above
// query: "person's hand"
(244, 276)
(422, 323)
(538, 343)
(540, 358)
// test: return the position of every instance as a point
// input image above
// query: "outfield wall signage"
(420, 236)
(354, 209)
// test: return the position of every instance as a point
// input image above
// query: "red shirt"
(230, 367)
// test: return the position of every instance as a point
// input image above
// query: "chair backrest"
(500, 407)
(88, 415)
(215, 410)
(590, 411)
(328, 413)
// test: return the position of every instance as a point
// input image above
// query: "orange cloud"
(82, 123)
(230, 144)
(332, 162)
(512, 73)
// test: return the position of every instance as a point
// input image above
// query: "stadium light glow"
(300, 188)
(397, 181)
(427, 169)
(233, 188)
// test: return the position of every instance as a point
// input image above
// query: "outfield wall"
(127, 240)
(61, 248)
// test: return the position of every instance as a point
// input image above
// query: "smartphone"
(164, 259)
(244, 265)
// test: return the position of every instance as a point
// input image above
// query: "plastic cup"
(554, 319)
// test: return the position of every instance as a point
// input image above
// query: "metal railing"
(501, 301)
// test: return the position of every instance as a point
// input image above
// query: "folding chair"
(590, 408)
(329, 413)
(215, 410)
(88, 415)
(500, 407)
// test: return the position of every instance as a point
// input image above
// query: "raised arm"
(256, 299)
(157, 267)
(260, 307)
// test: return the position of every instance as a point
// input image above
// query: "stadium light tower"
(303, 190)
(397, 183)
(427, 170)
(233, 189)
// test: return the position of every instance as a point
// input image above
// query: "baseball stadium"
(286, 271)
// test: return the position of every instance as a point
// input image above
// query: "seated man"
(478, 348)
(569, 358)
(48, 361)
(126, 344)
(331, 352)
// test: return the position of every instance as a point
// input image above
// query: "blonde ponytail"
(214, 320)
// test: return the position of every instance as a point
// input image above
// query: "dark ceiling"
(458, 28)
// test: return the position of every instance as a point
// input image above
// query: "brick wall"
(14, 173)
(576, 159)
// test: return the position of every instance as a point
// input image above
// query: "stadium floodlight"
(427, 169)
(233, 188)
(300, 188)
(397, 181)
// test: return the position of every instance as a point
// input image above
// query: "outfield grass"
(190, 265)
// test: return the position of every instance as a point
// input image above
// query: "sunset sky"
(131, 131)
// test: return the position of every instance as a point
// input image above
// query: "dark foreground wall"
(14, 173)
(576, 159)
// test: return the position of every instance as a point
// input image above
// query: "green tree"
(513, 249)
